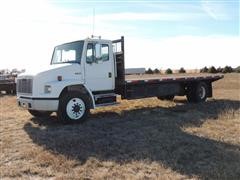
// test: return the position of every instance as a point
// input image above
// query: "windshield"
(68, 53)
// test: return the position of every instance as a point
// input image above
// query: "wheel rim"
(202, 92)
(75, 108)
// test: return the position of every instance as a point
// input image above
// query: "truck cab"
(90, 73)
(93, 59)
(83, 67)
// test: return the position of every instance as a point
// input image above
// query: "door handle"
(109, 74)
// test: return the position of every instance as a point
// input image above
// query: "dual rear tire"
(197, 93)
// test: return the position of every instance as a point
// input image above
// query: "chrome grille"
(24, 86)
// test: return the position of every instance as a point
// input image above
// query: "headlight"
(47, 89)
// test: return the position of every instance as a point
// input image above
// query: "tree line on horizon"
(14, 71)
(212, 69)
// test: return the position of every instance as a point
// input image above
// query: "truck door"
(99, 67)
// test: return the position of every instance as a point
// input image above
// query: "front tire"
(73, 108)
(36, 113)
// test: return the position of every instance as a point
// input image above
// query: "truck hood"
(34, 72)
(69, 73)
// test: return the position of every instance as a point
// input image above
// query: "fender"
(91, 95)
(81, 88)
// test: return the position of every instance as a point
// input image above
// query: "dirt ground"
(139, 139)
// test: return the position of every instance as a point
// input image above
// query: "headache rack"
(118, 49)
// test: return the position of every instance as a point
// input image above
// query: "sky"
(158, 34)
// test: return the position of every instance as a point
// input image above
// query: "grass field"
(140, 139)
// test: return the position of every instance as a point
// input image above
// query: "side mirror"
(98, 51)
(89, 60)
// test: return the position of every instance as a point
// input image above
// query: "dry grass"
(142, 139)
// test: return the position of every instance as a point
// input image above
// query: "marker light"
(59, 78)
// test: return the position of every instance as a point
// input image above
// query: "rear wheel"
(73, 108)
(197, 93)
(40, 113)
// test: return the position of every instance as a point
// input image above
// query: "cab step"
(107, 104)
(105, 99)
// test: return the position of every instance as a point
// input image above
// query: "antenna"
(93, 26)
(93, 22)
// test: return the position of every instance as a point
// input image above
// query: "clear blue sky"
(162, 34)
(173, 18)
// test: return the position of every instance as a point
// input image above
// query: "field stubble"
(140, 139)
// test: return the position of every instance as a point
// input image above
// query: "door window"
(90, 56)
(91, 51)
(105, 52)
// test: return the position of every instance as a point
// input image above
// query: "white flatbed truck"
(90, 73)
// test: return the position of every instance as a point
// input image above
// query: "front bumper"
(40, 104)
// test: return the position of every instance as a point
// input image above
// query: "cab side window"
(90, 55)
(105, 52)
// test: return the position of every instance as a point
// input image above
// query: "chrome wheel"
(202, 92)
(75, 108)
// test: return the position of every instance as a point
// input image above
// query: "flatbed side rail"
(210, 78)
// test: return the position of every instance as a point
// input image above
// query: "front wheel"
(36, 113)
(73, 108)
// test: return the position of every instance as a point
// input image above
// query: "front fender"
(59, 86)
